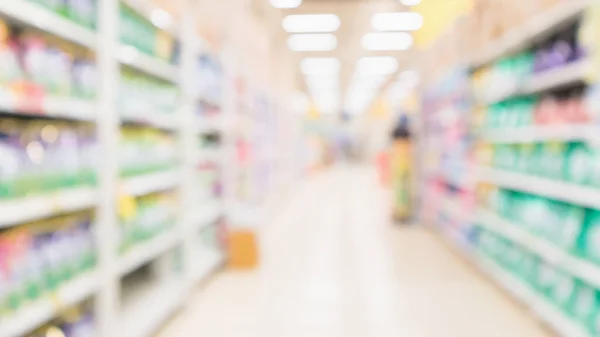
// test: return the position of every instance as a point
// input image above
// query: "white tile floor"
(333, 266)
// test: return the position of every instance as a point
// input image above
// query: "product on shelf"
(140, 96)
(139, 32)
(74, 322)
(154, 213)
(34, 65)
(208, 82)
(209, 181)
(83, 12)
(44, 155)
(145, 149)
(36, 258)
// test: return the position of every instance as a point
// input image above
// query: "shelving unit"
(118, 311)
(497, 218)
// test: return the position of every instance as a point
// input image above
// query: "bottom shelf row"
(153, 281)
(567, 306)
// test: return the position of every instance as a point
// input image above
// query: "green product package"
(563, 293)
(584, 304)
(570, 227)
(547, 279)
(590, 239)
(595, 163)
(579, 167)
(553, 160)
(525, 156)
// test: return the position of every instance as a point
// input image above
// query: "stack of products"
(575, 298)
(31, 66)
(568, 108)
(573, 162)
(44, 155)
(141, 34)
(83, 12)
(505, 76)
(145, 149)
(140, 95)
(75, 322)
(36, 258)
(154, 214)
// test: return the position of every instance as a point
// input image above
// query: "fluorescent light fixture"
(311, 23)
(160, 18)
(312, 42)
(387, 41)
(402, 21)
(286, 3)
(320, 65)
(410, 2)
(379, 65)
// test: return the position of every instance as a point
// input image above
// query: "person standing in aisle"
(401, 170)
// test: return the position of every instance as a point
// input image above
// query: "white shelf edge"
(547, 80)
(37, 16)
(205, 216)
(534, 29)
(558, 190)
(154, 66)
(156, 120)
(35, 314)
(146, 252)
(540, 133)
(538, 306)
(150, 183)
(576, 267)
(17, 211)
(207, 268)
(147, 314)
(51, 107)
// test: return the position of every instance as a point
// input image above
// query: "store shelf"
(53, 107)
(146, 252)
(149, 307)
(150, 65)
(158, 121)
(540, 307)
(553, 189)
(22, 210)
(145, 9)
(150, 183)
(207, 267)
(552, 79)
(541, 133)
(582, 269)
(37, 16)
(35, 314)
(206, 215)
(535, 29)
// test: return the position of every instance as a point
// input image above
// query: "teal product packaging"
(547, 279)
(525, 156)
(552, 160)
(83, 12)
(585, 302)
(564, 291)
(595, 158)
(579, 168)
(570, 226)
(590, 241)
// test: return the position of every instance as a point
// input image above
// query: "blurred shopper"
(401, 170)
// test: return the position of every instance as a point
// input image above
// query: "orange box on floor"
(243, 249)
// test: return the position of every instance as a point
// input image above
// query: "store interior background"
(295, 168)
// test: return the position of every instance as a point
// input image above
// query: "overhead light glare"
(311, 23)
(387, 41)
(161, 18)
(320, 65)
(312, 42)
(401, 21)
(286, 3)
(378, 65)
(410, 2)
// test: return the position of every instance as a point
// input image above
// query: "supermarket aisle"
(333, 267)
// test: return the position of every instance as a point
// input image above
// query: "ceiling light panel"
(320, 65)
(311, 23)
(312, 42)
(387, 41)
(402, 21)
(286, 3)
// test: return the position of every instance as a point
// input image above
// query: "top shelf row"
(537, 29)
(33, 14)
